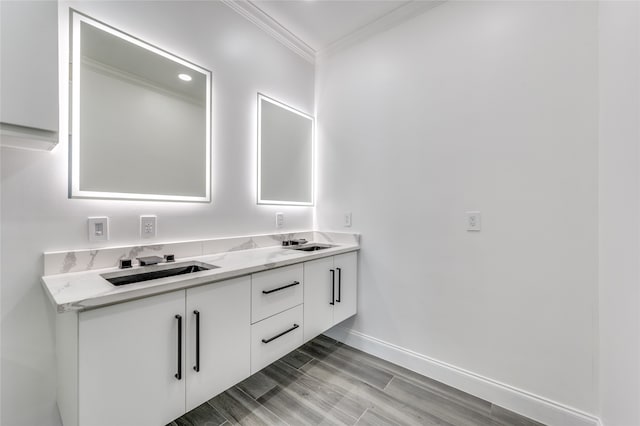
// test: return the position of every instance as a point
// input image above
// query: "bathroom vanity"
(145, 353)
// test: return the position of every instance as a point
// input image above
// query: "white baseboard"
(517, 400)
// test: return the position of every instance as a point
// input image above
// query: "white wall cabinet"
(29, 73)
(148, 361)
(330, 293)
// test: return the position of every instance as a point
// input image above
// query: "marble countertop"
(79, 291)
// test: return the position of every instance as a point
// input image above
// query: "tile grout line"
(263, 393)
(350, 374)
(298, 368)
(385, 369)
(404, 378)
(312, 358)
(257, 402)
(226, 419)
(355, 355)
(306, 403)
(433, 389)
(388, 383)
(361, 416)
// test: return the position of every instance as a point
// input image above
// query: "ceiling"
(321, 23)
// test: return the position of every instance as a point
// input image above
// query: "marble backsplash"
(63, 262)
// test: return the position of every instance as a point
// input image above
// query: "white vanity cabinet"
(330, 292)
(128, 357)
(218, 348)
(148, 361)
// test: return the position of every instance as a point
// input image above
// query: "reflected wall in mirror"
(285, 154)
(141, 119)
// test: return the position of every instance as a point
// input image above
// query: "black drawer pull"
(197, 366)
(339, 284)
(178, 375)
(281, 334)
(280, 288)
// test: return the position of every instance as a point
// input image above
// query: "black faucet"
(294, 242)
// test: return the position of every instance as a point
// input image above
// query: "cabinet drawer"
(275, 337)
(275, 291)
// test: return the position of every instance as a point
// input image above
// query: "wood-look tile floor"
(328, 383)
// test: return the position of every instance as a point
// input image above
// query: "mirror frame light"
(74, 184)
(262, 97)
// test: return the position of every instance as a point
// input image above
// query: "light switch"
(279, 220)
(98, 228)
(474, 221)
(148, 226)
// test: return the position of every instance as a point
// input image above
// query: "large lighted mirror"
(285, 154)
(140, 119)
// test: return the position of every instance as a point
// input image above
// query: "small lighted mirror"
(285, 154)
(140, 119)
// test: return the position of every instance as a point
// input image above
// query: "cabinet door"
(29, 63)
(318, 297)
(128, 360)
(346, 266)
(224, 338)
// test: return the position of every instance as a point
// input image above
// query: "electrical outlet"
(347, 220)
(474, 221)
(279, 220)
(148, 226)
(98, 228)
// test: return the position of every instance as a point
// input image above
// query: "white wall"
(37, 216)
(488, 106)
(619, 208)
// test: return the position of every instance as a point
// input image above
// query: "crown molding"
(264, 21)
(394, 17)
(272, 27)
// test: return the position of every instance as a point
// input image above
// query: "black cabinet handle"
(333, 286)
(280, 288)
(339, 284)
(197, 366)
(178, 375)
(281, 334)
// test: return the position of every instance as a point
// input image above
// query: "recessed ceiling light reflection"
(184, 77)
